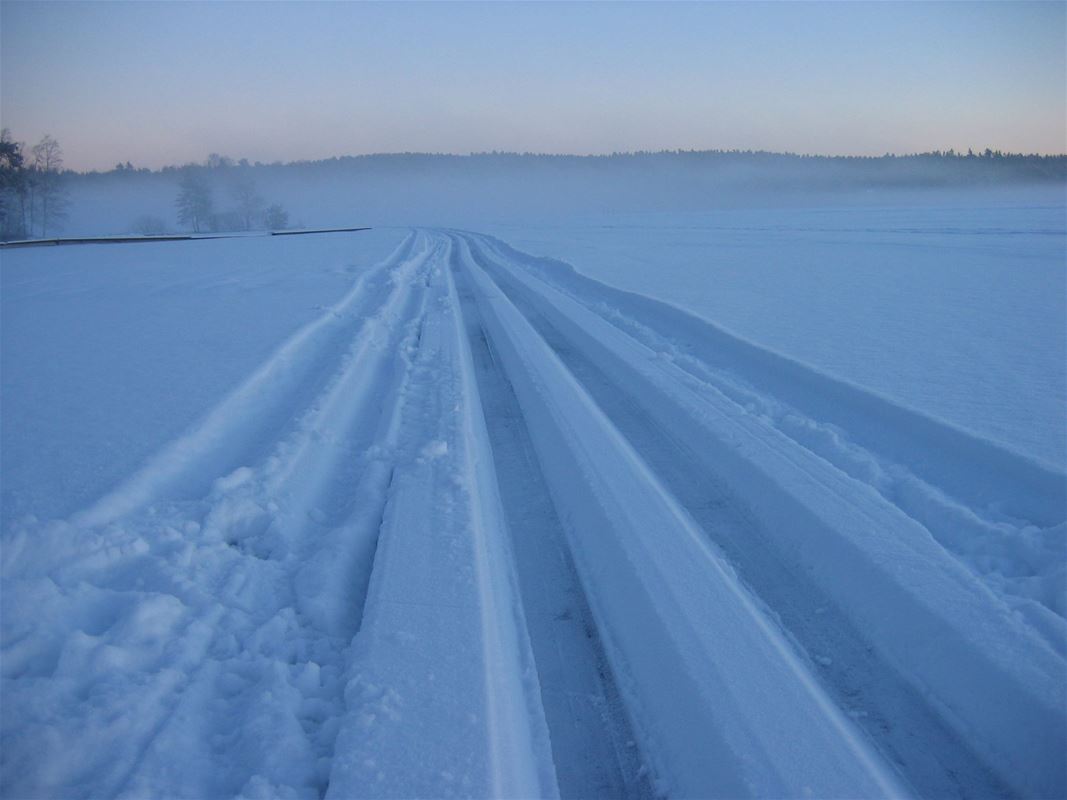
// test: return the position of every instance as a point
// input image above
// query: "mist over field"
(429, 189)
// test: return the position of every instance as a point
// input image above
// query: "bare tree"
(195, 204)
(49, 202)
(249, 202)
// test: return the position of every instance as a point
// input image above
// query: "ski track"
(487, 527)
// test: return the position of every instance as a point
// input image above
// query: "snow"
(111, 351)
(681, 620)
(901, 588)
(762, 504)
(955, 309)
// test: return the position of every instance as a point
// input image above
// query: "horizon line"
(227, 162)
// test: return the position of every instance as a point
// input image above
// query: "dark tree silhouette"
(195, 204)
(13, 187)
(277, 218)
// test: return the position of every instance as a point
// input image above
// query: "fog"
(420, 189)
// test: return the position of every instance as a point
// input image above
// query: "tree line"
(33, 198)
(221, 193)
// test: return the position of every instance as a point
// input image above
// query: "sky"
(168, 83)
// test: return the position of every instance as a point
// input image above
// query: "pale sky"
(164, 83)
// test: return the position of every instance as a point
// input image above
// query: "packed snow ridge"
(487, 527)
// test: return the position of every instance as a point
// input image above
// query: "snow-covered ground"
(957, 310)
(765, 504)
(110, 351)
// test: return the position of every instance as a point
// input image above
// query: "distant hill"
(921, 169)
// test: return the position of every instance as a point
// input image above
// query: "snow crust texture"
(486, 527)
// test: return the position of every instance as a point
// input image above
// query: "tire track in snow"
(592, 743)
(288, 662)
(722, 705)
(1001, 513)
(229, 577)
(935, 760)
(1015, 485)
(638, 389)
(230, 434)
(442, 696)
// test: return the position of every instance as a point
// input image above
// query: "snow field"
(112, 352)
(486, 527)
(953, 305)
